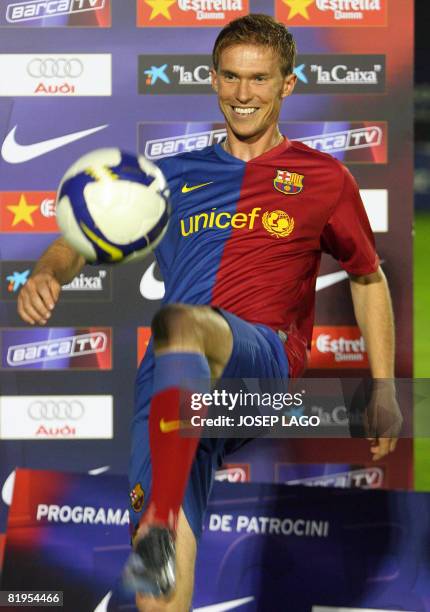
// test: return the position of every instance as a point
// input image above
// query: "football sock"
(176, 376)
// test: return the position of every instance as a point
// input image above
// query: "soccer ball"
(113, 206)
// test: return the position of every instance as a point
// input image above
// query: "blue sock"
(181, 370)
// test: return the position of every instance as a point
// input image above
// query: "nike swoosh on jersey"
(168, 426)
(327, 280)
(225, 606)
(15, 153)
(186, 189)
(150, 287)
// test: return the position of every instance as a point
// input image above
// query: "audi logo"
(56, 410)
(55, 68)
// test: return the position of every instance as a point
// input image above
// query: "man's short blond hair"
(259, 30)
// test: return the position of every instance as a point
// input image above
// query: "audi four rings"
(56, 410)
(55, 68)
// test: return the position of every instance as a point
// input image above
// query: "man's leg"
(181, 328)
(247, 351)
(181, 599)
(190, 342)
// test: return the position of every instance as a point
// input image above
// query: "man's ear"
(288, 85)
(214, 79)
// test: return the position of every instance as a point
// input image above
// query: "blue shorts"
(258, 352)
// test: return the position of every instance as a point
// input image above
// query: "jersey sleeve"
(171, 167)
(347, 235)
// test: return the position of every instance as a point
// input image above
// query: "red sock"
(172, 455)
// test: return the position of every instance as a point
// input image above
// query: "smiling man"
(250, 220)
(251, 81)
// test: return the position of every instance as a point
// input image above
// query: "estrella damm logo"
(287, 182)
(276, 222)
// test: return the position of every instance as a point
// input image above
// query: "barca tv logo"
(288, 183)
(30, 211)
(194, 13)
(350, 141)
(56, 348)
(56, 13)
(341, 475)
(161, 139)
(332, 13)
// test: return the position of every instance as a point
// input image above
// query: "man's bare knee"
(186, 549)
(175, 325)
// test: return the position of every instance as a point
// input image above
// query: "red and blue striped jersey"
(248, 236)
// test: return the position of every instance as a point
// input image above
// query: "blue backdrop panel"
(269, 548)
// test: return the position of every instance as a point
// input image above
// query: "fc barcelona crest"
(137, 497)
(289, 183)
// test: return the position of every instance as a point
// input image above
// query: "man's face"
(250, 88)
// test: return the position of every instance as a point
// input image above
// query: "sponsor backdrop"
(264, 548)
(127, 73)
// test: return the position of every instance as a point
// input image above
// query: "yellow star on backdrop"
(160, 7)
(22, 211)
(298, 7)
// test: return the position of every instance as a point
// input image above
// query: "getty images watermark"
(305, 408)
(291, 405)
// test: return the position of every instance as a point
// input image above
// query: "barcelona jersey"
(248, 236)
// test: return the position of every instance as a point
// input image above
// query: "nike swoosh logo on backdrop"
(226, 605)
(186, 189)
(15, 153)
(327, 280)
(7, 489)
(150, 287)
(99, 470)
(103, 604)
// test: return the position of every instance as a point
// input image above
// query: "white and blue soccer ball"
(112, 206)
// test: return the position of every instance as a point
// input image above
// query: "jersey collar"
(270, 154)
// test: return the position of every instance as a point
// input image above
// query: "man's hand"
(38, 297)
(382, 419)
(58, 265)
(374, 314)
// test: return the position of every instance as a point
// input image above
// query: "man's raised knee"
(175, 324)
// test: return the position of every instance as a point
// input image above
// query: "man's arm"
(57, 266)
(374, 314)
